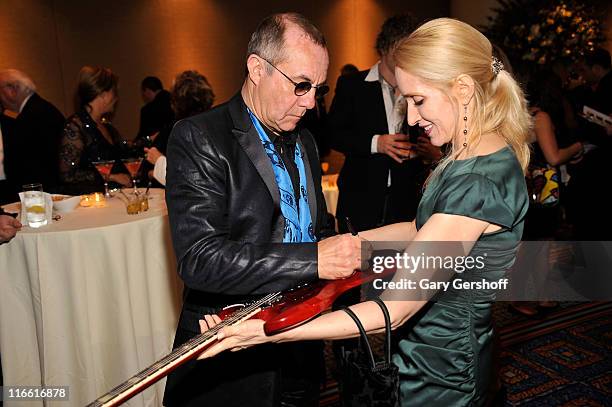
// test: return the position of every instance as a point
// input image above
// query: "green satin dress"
(445, 353)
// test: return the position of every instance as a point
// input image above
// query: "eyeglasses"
(302, 88)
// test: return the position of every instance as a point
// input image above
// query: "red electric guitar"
(281, 311)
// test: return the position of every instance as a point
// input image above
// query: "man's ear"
(464, 88)
(255, 68)
(11, 90)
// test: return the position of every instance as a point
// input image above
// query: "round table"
(89, 300)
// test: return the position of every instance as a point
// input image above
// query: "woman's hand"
(235, 337)
(121, 178)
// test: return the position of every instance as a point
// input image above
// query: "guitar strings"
(192, 343)
(185, 348)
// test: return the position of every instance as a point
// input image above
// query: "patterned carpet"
(564, 359)
(561, 359)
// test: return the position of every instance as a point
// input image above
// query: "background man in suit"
(379, 183)
(31, 151)
(596, 70)
(246, 210)
(157, 112)
(7, 125)
(314, 120)
(583, 202)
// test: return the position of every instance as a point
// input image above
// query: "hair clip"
(496, 65)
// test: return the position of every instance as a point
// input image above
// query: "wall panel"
(52, 39)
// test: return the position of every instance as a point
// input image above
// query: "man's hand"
(426, 150)
(8, 228)
(338, 256)
(395, 146)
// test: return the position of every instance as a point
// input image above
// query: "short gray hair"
(17, 80)
(268, 39)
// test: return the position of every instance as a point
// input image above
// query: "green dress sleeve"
(475, 196)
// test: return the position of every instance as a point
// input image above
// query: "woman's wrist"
(286, 336)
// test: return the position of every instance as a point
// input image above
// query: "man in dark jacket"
(7, 127)
(157, 112)
(31, 147)
(246, 211)
(382, 175)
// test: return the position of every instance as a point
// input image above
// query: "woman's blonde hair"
(442, 49)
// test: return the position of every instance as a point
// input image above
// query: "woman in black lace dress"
(88, 136)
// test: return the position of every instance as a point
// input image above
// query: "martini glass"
(105, 168)
(133, 165)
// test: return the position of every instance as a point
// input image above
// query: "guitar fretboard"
(156, 371)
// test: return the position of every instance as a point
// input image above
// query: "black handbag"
(363, 381)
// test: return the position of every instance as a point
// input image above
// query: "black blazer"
(8, 191)
(156, 115)
(356, 114)
(31, 152)
(224, 207)
(227, 230)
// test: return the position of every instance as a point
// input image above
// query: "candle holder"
(99, 200)
(95, 200)
(85, 201)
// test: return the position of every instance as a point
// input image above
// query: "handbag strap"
(385, 312)
(364, 335)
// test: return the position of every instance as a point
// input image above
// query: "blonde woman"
(459, 94)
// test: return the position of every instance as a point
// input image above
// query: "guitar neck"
(189, 350)
(281, 311)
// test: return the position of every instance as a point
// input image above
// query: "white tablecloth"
(88, 301)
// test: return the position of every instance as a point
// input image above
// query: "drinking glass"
(34, 201)
(104, 168)
(412, 154)
(400, 113)
(133, 205)
(144, 202)
(132, 201)
(133, 165)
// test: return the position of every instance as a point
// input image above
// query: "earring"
(465, 130)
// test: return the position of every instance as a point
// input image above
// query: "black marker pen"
(350, 227)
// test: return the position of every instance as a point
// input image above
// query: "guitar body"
(281, 311)
(302, 304)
